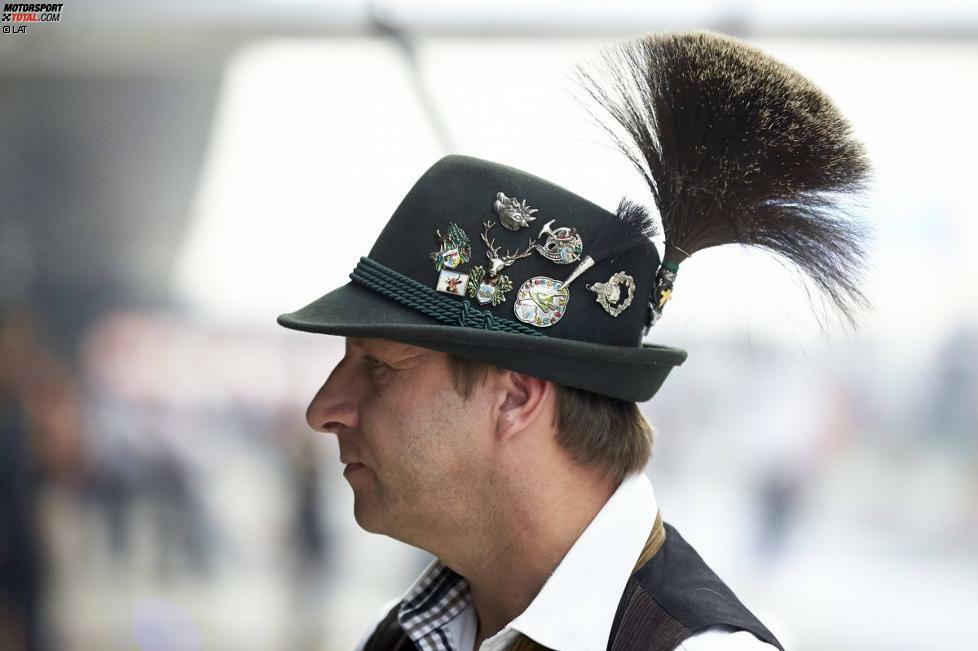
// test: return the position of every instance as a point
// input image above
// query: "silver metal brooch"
(513, 213)
(563, 244)
(609, 293)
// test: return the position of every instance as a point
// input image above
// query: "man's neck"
(508, 553)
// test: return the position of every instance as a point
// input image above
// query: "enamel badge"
(609, 293)
(454, 248)
(562, 246)
(452, 282)
(541, 301)
(487, 289)
(513, 213)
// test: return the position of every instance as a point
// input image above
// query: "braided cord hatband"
(409, 292)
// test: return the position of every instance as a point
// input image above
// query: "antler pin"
(491, 287)
(496, 262)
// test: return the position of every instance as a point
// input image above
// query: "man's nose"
(334, 406)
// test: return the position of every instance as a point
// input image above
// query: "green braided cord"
(671, 266)
(422, 298)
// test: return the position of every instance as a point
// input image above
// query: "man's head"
(433, 441)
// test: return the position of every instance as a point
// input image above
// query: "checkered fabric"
(437, 599)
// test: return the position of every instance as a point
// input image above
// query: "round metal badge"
(541, 301)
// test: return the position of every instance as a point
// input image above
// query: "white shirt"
(575, 608)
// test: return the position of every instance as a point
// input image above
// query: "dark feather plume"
(737, 147)
(633, 226)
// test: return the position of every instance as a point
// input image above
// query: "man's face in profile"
(414, 449)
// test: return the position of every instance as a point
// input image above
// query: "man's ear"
(525, 400)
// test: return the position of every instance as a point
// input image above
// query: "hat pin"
(490, 286)
(513, 213)
(563, 244)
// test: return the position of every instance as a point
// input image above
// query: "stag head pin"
(513, 213)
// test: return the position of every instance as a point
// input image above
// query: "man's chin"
(367, 516)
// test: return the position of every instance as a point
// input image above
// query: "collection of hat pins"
(540, 301)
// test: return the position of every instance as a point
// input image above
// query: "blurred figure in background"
(40, 439)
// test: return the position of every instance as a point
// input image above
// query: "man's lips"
(352, 468)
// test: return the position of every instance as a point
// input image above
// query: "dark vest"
(671, 597)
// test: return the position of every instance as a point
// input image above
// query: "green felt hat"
(393, 290)
(490, 263)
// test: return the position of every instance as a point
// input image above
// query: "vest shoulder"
(683, 585)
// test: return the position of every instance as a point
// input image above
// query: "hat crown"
(462, 190)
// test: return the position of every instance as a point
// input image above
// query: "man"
(486, 405)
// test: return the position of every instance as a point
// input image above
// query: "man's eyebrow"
(355, 342)
(390, 350)
(376, 346)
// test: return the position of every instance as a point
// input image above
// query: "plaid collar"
(436, 598)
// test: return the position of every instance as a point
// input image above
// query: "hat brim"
(627, 373)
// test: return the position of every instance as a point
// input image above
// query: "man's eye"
(373, 362)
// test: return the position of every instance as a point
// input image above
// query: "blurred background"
(173, 175)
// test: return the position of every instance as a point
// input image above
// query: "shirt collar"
(576, 607)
